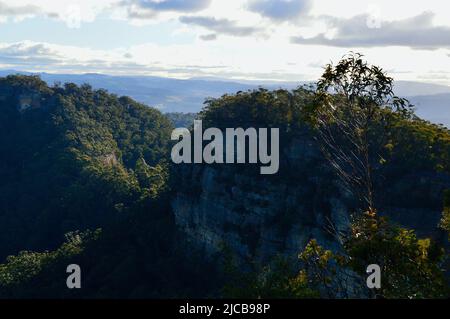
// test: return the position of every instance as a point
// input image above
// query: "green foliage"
(67, 161)
(276, 280)
(351, 111)
(141, 255)
(445, 221)
(321, 267)
(410, 267)
(258, 108)
(181, 119)
(261, 108)
(24, 268)
(153, 180)
(419, 144)
(364, 87)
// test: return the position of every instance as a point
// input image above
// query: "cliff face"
(260, 217)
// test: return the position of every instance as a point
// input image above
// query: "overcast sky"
(237, 39)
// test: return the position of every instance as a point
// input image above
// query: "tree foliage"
(351, 112)
(68, 161)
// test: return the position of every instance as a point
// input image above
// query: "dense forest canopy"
(70, 159)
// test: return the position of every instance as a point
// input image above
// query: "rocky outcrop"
(28, 100)
(109, 159)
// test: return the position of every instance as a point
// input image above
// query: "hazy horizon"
(4, 71)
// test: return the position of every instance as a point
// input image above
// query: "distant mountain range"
(432, 101)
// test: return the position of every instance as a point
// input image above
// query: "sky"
(276, 40)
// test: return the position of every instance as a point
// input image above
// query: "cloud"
(148, 9)
(18, 12)
(209, 37)
(26, 49)
(28, 54)
(280, 10)
(220, 26)
(47, 57)
(135, 12)
(7, 10)
(417, 32)
(175, 5)
(71, 14)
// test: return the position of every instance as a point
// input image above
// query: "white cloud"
(17, 12)
(281, 10)
(169, 5)
(360, 31)
(73, 13)
(221, 26)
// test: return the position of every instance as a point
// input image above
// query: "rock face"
(28, 100)
(260, 217)
(250, 222)
(24, 98)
